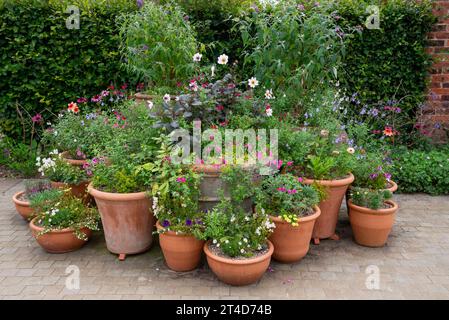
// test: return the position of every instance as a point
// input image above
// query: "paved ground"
(414, 265)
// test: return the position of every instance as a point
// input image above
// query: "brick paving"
(414, 264)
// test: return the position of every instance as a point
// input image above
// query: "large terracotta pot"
(77, 190)
(181, 252)
(211, 184)
(372, 227)
(127, 221)
(74, 162)
(291, 244)
(58, 241)
(238, 272)
(22, 207)
(327, 222)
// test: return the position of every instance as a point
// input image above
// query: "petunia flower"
(223, 59)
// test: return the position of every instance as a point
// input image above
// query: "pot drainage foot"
(122, 256)
(316, 241)
(335, 237)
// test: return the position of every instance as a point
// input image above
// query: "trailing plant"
(285, 197)
(368, 198)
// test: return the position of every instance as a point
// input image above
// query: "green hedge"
(43, 65)
(391, 62)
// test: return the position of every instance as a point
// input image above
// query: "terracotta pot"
(127, 221)
(372, 227)
(291, 244)
(142, 97)
(210, 185)
(327, 222)
(58, 241)
(181, 252)
(74, 162)
(238, 272)
(22, 207)
(77, 190)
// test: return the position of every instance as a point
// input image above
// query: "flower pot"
(181, 252)
(391, 186)
(142, 97)
(22, 207)
(291, 243)
(211, 184)
(238, 272)
(58, 241)
(372, 227)
(74, 162)
(77, 190)
(127, 221)
(327, 222)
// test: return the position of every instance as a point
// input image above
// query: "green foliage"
(35, 186)
(18, 156)
(368, 198)
(235, 232)
(422, 171)
(371, 171)
(390, 63)
(57, 210)
(240, 182)
(43, 65)
(57, 169)
(158, 44)
(284, 196)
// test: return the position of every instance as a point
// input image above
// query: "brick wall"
(435, 114)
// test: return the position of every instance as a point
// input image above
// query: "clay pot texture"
(392, 186)
(22, 207)
(142, 97)
(291, 244)
(327, 222)
(371, 228)
(58, 241)
(127, 220)
(238, 272)
(73, 162)
(181, 252)
(77, 190)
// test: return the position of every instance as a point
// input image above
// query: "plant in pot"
(22, 198)
(238, 250)
(121, 187)
(325, 161)
(372, 214)
(62, 174)
(293, 207)
(62, 223)
(175, 204)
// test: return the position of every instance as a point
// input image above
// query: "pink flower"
(290, 163)
(282, 189)
(37, 118)
(300, 180)
(181, 180)
(293, 191)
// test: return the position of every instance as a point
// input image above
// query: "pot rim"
(35, 227)
(20, 202)
(116, 196)
(141, 95)
(172, 233)
(365, 210)
(248, 261)
(314, 216)
(64, 155)
(70, 184)
(332, 183)
(394, 186)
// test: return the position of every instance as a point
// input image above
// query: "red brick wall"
(435, 114)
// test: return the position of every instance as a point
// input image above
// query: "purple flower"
(37, 118)
(165, 223)
(199, 221)
(387, 176)
(139, 3)
(373, 176)
(301, 7)
(188, 222)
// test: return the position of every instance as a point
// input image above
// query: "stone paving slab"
(413, 265)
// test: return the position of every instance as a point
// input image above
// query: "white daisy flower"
(223, 59)
(253, 82)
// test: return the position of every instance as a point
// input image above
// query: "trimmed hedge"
(43, 65)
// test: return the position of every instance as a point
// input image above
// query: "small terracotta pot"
(291, 244)
(238, 272)
(326, 224)
(77, 190)
(371, 228)
(74, 162)
(58, 241)
(181, 252)
(392, 186)
(22, 207)
(127, 221)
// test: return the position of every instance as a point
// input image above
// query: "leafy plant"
(368, 198)
(372, 171)
(18, 156)
(57, 169)
(33, 187)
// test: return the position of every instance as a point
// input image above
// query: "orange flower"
(73, 107)
(388, 132)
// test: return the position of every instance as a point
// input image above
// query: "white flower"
(245, 240)
(167, 98)
(253, 82)
(193, 86)
(150, 104)
(218, 245)
(240, 243)
(269, 112)
(177, 98)
(232, 218)
(246, 218)
(242, 250)
(55, 132)
(197, 57)
(269, 94)
(227, 241)
(215, 241)
(223, 59)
